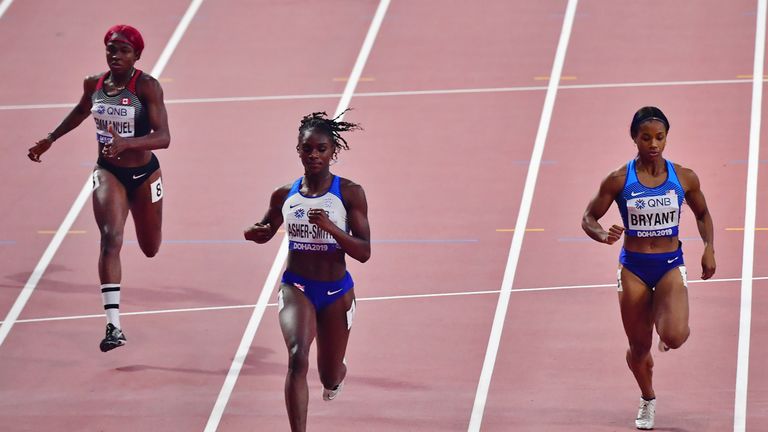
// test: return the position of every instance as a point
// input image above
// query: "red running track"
(443, 173)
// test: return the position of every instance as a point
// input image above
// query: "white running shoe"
(646, 414)
(329, 395)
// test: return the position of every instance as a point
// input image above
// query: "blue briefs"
(320, 293)
(649, 267)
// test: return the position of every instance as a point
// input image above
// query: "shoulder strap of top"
(336, 189)
(631, 174)
(294, 188)
(100, 84)
(336, 186)
(132, 83)
(672, 174)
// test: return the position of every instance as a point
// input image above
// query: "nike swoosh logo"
(139, 176)
(99, 100)
(334, 292)
(672, 260)
(294, 205)
(637, 193)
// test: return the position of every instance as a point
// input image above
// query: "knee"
(638, 350)
(111, 241)
(676, 339)
(150, 245)
(150, 251)
(298, 360)
(331, 378)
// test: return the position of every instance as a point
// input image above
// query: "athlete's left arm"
(695, 198)
(357, 243)
(151, 95)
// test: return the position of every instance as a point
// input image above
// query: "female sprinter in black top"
(131, 121)
(649, 192)
(326, 218)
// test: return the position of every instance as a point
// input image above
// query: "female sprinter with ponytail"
(649, 192)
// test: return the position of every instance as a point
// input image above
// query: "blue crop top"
(651, 212)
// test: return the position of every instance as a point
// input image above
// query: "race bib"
(156, 189)
(653, 216)
(306, 236)
(122, 119)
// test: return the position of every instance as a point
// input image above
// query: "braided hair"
(332, 127)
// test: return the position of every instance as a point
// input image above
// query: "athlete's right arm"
(599, 205)
(263, 231)
(80, 112)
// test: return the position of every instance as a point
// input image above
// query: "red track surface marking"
(243, 48)
(464, 46)
(623, 30)
(442, 168)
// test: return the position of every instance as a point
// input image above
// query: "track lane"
(201, 204)
(636, 36)
(418, 191)
(757, 383)
(465, 45)
(579, 333)
(42, 194)
(245, 48)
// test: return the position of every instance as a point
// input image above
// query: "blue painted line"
(393, 241)
(7, 242)
(744, 161)
(587, 239)
(574, 239)
(195, 241)
(441, 241)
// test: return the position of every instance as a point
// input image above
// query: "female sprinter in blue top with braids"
(326, 218)
(649, 192)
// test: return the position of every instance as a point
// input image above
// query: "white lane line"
(4, 6)
(522, 220)
(653, 84)
(45, 259)
(410, 93)
(77, 206)
(747, 267)
(170, 47)
(245, 342)
(36, 106)
(277, 265)
(364, 299)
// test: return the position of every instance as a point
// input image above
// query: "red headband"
(127, 34)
